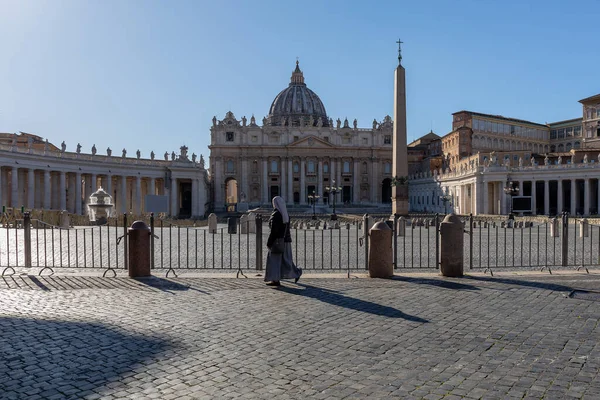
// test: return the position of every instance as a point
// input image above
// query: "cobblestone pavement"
(417, 336)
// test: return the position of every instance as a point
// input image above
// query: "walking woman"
(280, 263)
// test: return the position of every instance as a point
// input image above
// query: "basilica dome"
(297, 105)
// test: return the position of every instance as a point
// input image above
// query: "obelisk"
(400, 154)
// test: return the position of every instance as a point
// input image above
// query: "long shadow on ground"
(521, 282)
(66, 359)
(334, 298)
(435, 282)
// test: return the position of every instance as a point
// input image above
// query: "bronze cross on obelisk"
(399, 51)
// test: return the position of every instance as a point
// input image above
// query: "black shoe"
(274, 283)
(298, 278)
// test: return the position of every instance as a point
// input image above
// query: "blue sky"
(150, 75)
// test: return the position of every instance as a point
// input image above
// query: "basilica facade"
(300, 153)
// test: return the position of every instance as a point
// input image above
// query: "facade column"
(533, 198)
(137, 204)
(243, 185)
(94, 183)
(195, 197)
(573, 197)
(78, 193)
(560, 196)
(218, 184)
(123, 196)
(14, 177)
(63, 190)
(302, 182)
(546, 197)
(504, 206)
(586, 197)
(47, 190)
(265, 182)
(290, 179)
(174, 197)
(373, 181)
(320, 181)
(31, 188)
(283, 181)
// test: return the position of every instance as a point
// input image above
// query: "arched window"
(230, 166)
(552, 148)
(577, 145)
(274, 166)
(568, 148)
(346, 169)
(387, 168)
(311, 167)
(561, 148)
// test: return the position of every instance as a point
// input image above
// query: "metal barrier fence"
(562, 242)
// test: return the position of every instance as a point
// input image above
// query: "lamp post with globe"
(313, 198)
(333, 190)
(511, 190)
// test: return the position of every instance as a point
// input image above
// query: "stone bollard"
(139, 249)
(554, 228)
(380, 251)
(401, 226)
(232, 226)
(583, 228)
(212, 223)
(451, 246)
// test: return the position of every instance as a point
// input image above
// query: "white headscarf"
(279, 204)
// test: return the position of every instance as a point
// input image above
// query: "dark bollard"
(232, 226)
(451, 244)
(139, 249)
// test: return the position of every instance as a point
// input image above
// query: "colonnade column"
(14, 177)
(78, 193)
(290, 179)
(320, 181)
(123, 196)
(302, 182)
(94, 183)
(546, 197)
(265, 182)
(31, 188)
(47, 190)
(356, 188)
(109, 185)
(283, 182)
(560, 196)
(533, 198)
(174, 203)
(586, 197)
(152, 186)
(137, 204)
(63, 190)
(504, 200)
(195, 197)
(573, 197)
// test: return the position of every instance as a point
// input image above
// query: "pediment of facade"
(311, 142)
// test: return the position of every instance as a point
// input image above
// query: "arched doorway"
(386, 191)
(231, 195)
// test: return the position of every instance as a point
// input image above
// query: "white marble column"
(302, 182)
(174, 191)
(586, 197)
(283, 183)
(137, 204)
(560, 196)
(195, 197)
(290, 179)
(123, 196)
(573, 197)
(47, 190)
(63, 190)
(546, 197)
(108, 188)
(152, 190)
(504, 202)
(356, 184)
(320, 181)
(94, 183)
(533, 198)
(78, 193)
(14, 197)
(265, 182)
(31, 188)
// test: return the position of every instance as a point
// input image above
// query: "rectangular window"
(295, 138)
(561, 133)
(229, 136)
(387, 139)
(494, 127)
(326, 138)
(488, 126)
(577, 131)
(553, 134)
(365, 141)
(254, 139)
(569, 132)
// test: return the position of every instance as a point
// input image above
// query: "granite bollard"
(451, 246)
(380, 251)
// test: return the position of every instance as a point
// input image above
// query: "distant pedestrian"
(280, 262)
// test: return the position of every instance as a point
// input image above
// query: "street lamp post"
(333, 190)
(445, 198)
(314, 197)
(511, 190)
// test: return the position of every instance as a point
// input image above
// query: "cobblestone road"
(426, 337)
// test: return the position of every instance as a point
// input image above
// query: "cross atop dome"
(297, 75)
